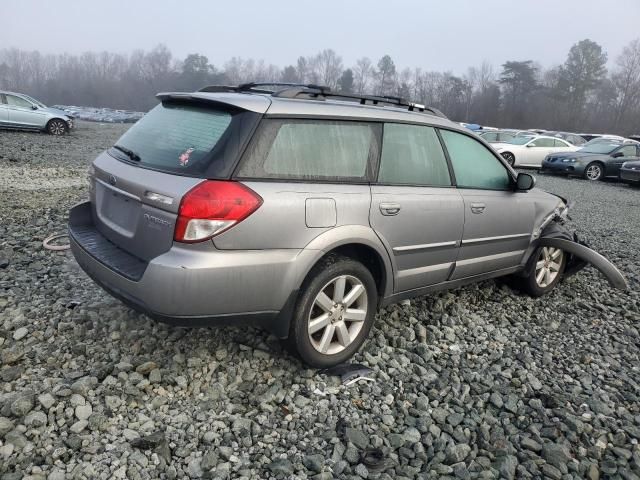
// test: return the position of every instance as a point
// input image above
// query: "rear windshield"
(174, 137)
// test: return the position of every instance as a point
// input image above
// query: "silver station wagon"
(303, 211)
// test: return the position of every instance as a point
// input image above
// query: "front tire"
(510, 158)
(56, 127)
(546, 271)
(334, 312)
(594, 172)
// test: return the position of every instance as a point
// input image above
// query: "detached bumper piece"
(580, 255)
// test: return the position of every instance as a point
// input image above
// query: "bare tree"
(626, 80)
(362, 73)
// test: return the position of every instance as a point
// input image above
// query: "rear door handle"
(389, 208)
(477, 207)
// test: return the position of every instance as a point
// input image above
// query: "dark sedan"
(630, 173)
(593, 162)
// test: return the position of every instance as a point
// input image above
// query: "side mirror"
(618, 155)
(525, 182)
(34, 107)
(529, 145)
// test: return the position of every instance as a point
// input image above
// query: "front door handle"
(477, 207)
(389, 208)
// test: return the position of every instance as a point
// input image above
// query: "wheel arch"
(66, 125)
(359, 243)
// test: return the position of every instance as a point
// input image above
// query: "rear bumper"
(194, 285)
(629, 176)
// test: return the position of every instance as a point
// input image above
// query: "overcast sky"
(435, 35)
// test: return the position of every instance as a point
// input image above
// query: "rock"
(83, 412)
(35, 419)
(313, 462)
(551, 472)
(530, 444)
(556, 454)
(357, 437)
(155, 376)
(593, 473)
(20, 333)
(457, 453)
(362, 471)
(506, 466)
(148, 441)
(46, 400)
(146, 368)
(281, 466)
(194, 470)
(79, 426)
(411, 435)
(6, 426)
(22, 405)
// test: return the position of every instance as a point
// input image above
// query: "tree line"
(581, 95)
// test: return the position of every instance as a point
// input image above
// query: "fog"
(444, 36)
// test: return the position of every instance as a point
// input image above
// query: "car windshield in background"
(174, 137)
(519, 140)
(600, 148)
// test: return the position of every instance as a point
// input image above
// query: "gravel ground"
(480, 382)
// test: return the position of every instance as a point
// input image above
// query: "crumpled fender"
(613, 275)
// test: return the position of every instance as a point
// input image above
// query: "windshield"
(600, 148)
(519, 140)
(174, 137)
(33, 100)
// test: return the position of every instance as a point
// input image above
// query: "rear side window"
(490, 137)
(17, 101)
(473, 164)
(175, 137)
(560, 143)
(316, 150)
(412, 155)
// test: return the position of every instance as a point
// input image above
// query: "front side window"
(490, 137)
(506, 137)
(17, 101)
(628, 151)
(412, 155)
(473, 164)
(316, 150)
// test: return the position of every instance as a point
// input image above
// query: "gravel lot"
(480, 382)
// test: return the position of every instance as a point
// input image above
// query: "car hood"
(55, 111)
(632, 163)
(578, 155)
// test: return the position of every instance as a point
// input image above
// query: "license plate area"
(117, 211)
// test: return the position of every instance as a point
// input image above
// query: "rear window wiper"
(129, 153)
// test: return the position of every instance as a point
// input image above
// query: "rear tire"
(510, 158)
(334, 312)
(57, 127)
(546, 271)
(594, 172)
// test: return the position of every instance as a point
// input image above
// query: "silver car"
(21, 111)
(304, 211)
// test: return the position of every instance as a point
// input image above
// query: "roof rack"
(321, 92)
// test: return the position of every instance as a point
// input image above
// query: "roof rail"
(321, 92)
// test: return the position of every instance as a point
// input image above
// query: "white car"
(530, 151)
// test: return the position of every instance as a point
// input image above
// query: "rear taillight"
(212, 207)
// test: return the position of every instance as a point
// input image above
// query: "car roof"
(299, 102)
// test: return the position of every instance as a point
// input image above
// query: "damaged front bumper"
(552, 232)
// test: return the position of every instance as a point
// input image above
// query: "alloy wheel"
(338, 314)
(594, 172)
(511, 160)
(548, 266)
(57, 127)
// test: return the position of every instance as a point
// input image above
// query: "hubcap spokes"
(337, 315)
(593, 172)
(548, 266)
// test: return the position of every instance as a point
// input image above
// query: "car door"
(21, 112)
(415, 210)
(626, 153)
(498, 221)
(4, 112)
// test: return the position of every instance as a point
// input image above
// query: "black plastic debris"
(349, 373)
(374, 459)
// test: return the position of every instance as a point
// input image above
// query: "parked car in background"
(593, 162)
(605, 136)
(529, 151)
(498, 136)
(21, 111)
(630, 172)
(572, 138)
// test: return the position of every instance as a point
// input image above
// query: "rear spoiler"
(251, 103)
